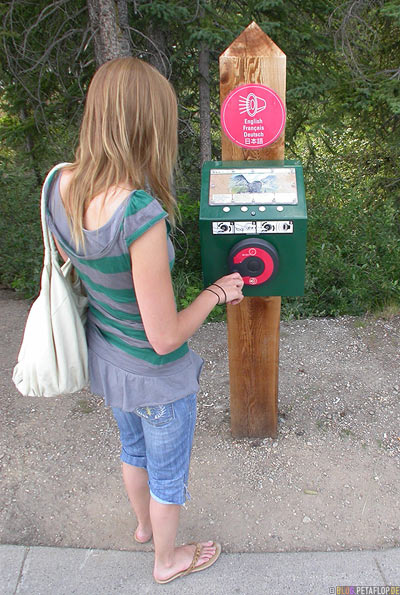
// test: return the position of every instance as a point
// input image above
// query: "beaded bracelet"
(214, 292)
(222, 289)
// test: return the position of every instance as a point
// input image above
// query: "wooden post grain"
(253, 325)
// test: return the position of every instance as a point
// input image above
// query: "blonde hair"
(128, 136)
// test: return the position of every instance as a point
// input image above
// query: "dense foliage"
(343, 107)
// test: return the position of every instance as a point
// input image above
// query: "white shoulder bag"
(53, 355)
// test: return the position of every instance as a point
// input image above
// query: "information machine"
(253, 220)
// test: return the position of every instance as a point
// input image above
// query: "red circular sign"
(253, 116)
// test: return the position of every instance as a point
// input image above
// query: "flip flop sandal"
(193, 567)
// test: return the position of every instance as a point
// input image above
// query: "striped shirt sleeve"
(142, 212)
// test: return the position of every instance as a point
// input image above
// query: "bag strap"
(50, 249)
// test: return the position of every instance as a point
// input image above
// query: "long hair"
(128, 136)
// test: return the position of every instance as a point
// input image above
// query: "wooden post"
(253, 325)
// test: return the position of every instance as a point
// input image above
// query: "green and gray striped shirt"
(115, 332)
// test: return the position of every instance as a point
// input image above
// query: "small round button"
(253, 213)
(226, 209)
(255, 266)
(262, 209)
(244, 209)
(279, 209)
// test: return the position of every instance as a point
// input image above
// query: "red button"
(264, 256)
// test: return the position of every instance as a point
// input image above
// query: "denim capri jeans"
(159, 438)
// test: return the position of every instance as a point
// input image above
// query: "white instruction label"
(251, 227)
(246, 227)
(274, 227)
(220, 227)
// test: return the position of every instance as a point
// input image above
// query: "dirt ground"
(330, 481)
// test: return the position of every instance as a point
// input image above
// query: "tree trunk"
(124, 23)
(204, 100)
(108, 20)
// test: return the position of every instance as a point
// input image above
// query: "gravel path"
(330, 481)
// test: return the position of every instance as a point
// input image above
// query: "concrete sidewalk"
(67, 571)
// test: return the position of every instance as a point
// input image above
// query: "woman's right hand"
(229, 289)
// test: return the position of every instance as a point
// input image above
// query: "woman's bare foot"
(143, 534)
(182, 559)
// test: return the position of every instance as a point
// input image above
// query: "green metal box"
(253, 219)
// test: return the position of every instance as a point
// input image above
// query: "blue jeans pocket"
(158, 415)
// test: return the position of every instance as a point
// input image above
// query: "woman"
(117, 237)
